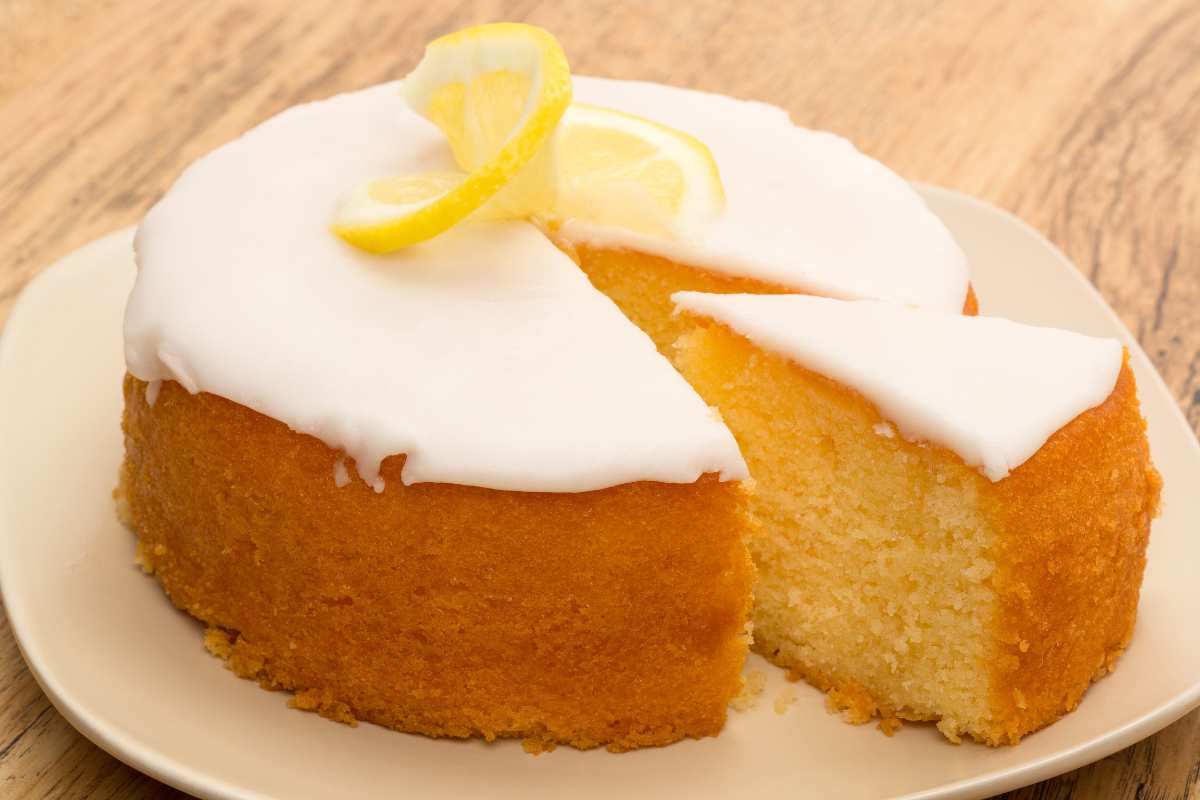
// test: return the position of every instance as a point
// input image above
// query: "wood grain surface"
(1080, 116)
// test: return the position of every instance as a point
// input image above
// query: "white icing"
(991, 390)
(885, 430)
(484, 355)
(341, 476)
(152, 389)
(804, 209)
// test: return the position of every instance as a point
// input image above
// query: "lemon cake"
(399, 428)
(955, 510)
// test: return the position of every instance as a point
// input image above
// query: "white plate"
(130, 673)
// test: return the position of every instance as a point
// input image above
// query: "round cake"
(459, 489)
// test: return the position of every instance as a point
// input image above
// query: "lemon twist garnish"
(498, 93)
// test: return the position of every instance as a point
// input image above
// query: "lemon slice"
(497, 92)
(620, 170)
(390, 213)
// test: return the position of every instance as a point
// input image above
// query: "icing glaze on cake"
(804, 209)
(484, 355)
(991, 390)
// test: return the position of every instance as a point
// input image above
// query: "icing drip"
(341, 476)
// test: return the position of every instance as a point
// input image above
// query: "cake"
(446, 479)
(955, 510)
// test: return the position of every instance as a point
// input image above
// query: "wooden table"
(1082, 117)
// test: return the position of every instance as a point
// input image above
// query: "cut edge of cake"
(903, 582)
(642, 286)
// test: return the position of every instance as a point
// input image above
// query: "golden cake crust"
(614, 617)
(1070, 567)
(1069, 532)
(1071, 560)
(1069, 575)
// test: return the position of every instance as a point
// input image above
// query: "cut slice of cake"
(955, 509)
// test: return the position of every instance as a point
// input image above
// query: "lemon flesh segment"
(497, 92)
(620, 170)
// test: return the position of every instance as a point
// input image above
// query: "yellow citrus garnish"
(497, 92)
(625, 171)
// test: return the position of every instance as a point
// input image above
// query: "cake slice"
(955, 509)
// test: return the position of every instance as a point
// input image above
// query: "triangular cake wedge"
(955, 509)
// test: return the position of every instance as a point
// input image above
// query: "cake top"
(991, 390)
(478, 349)
(804, 209)
(484, 354)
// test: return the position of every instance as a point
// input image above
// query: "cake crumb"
(853, 702)
(752, 688)
(949, 728)
(323, 703)
(121, 503)
(142, 559)
(219, 643)
(889, 725)
(785, 699)
(1019, 698)
(535, 746)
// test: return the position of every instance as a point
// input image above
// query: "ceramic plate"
(130, 672)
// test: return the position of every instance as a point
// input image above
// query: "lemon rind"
(548, 100)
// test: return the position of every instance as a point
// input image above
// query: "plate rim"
(96, 729)
(147, 759)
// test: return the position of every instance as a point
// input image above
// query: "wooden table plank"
(1079, 116)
